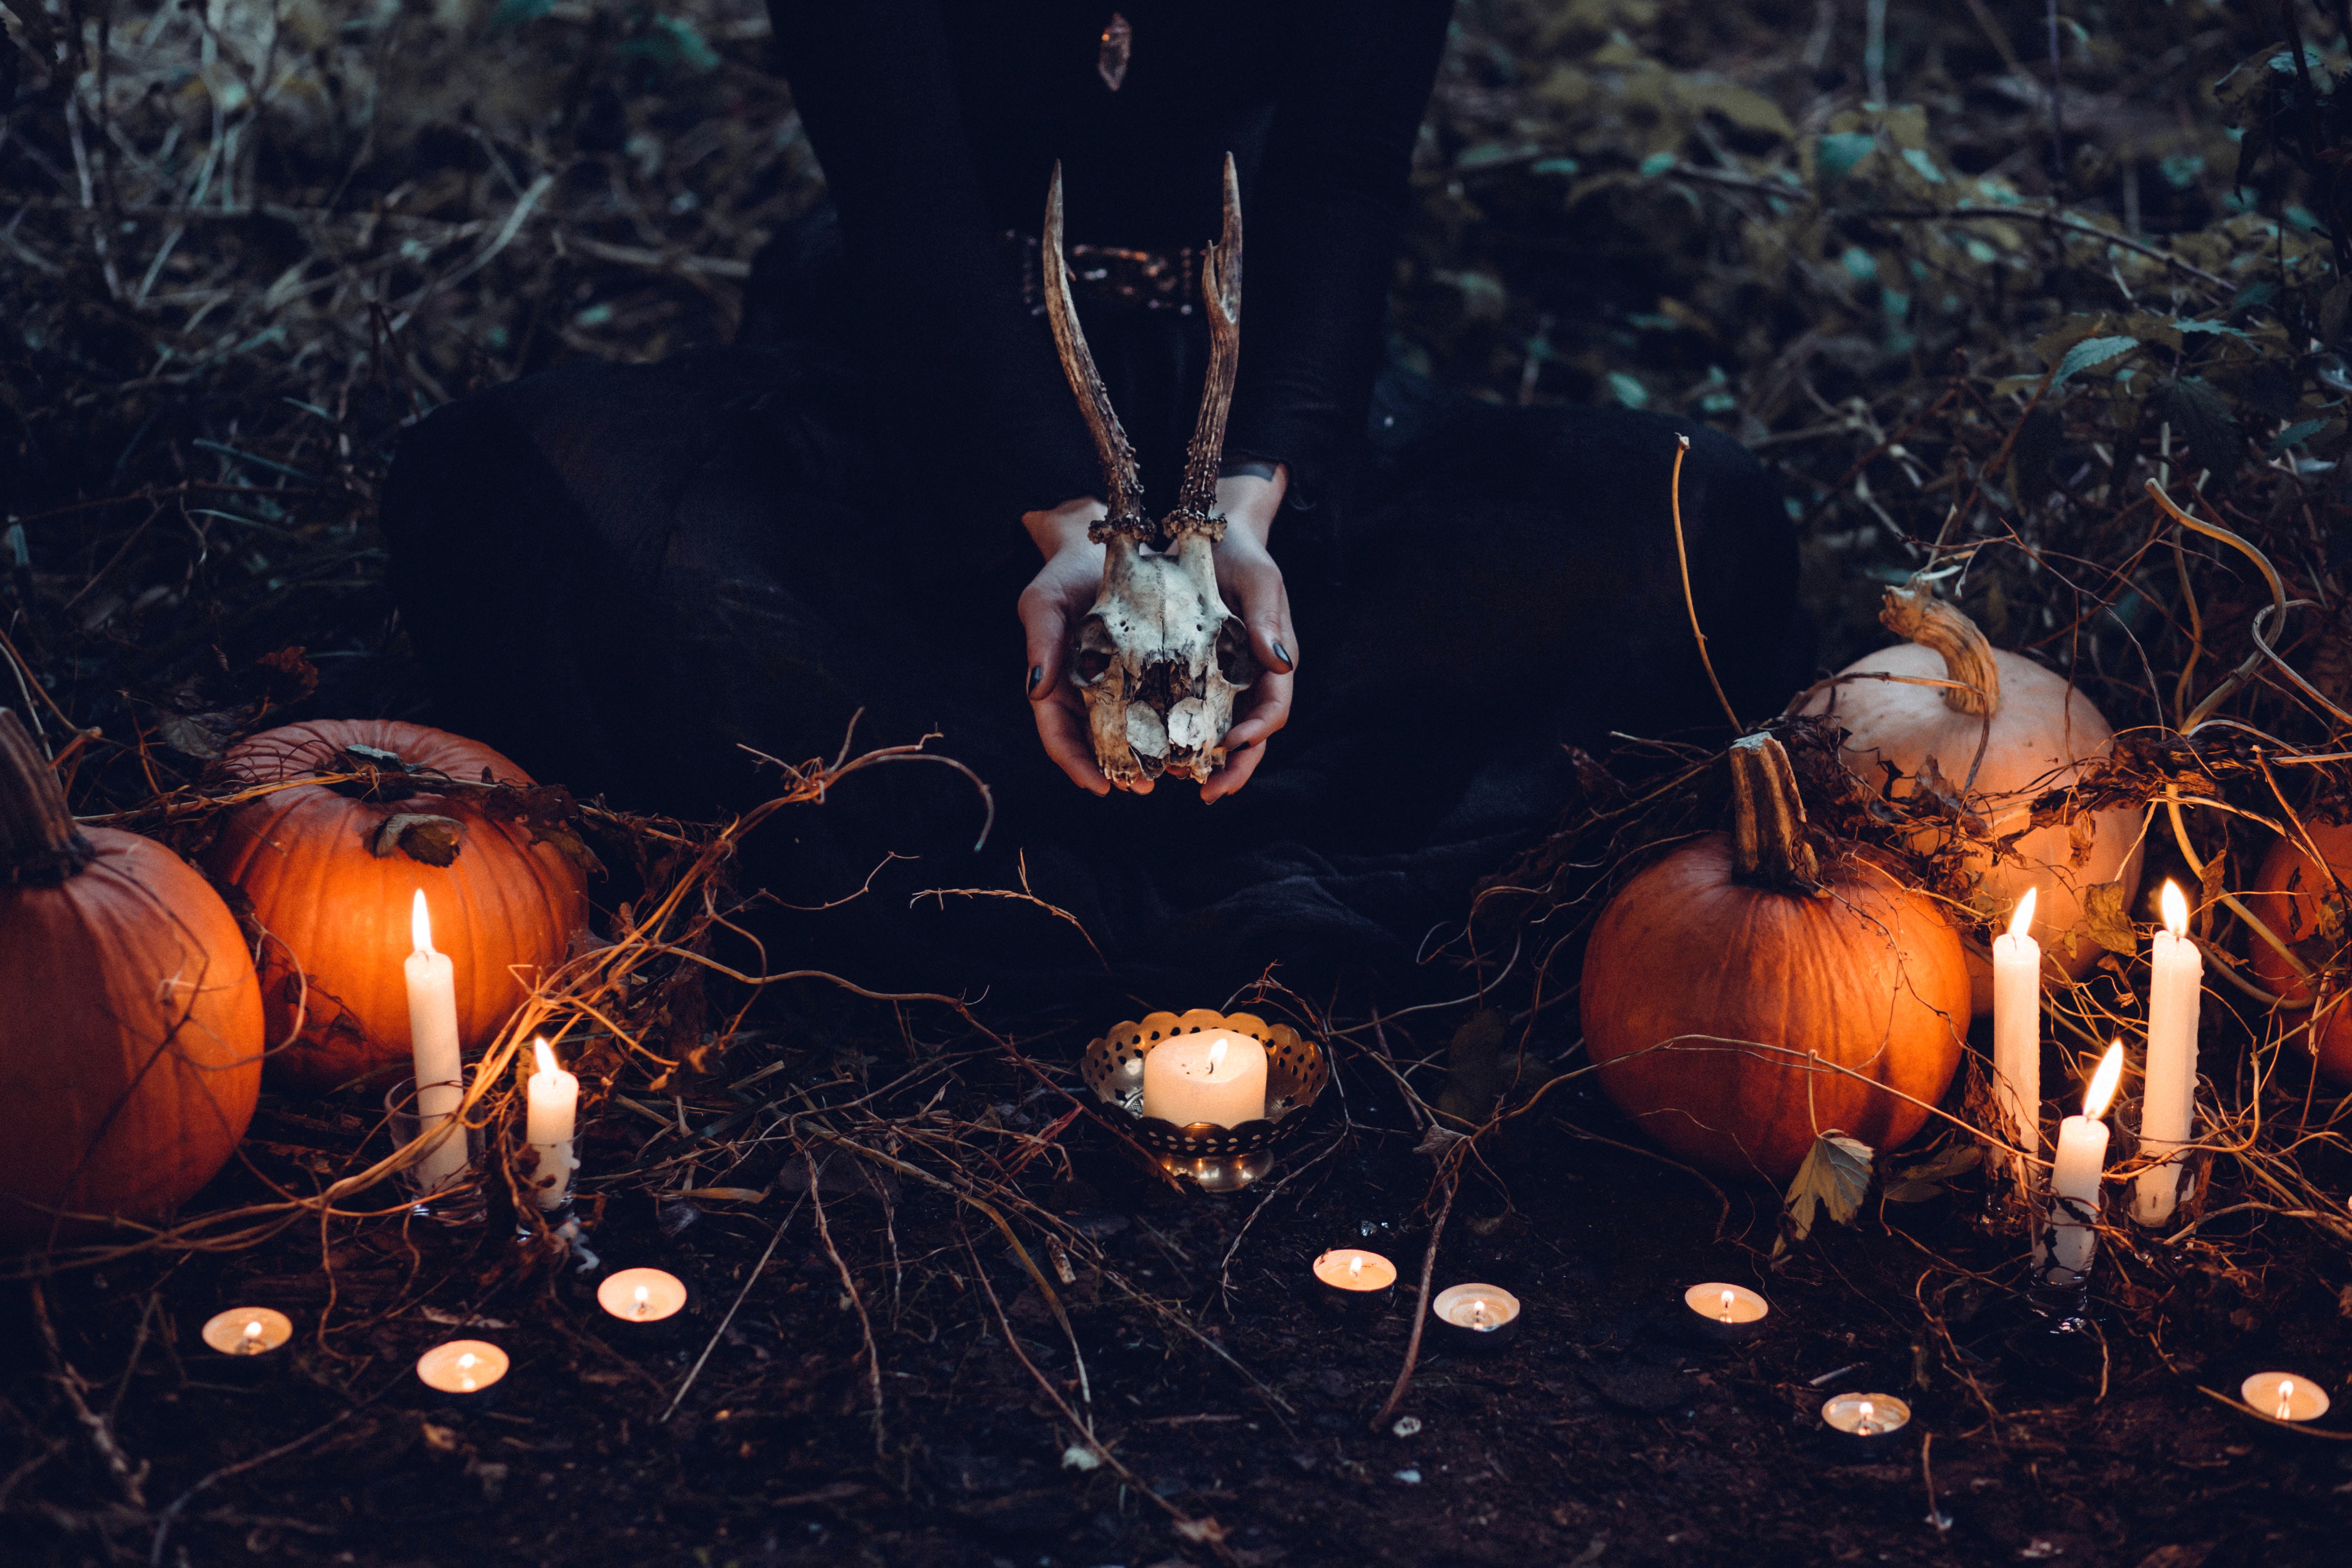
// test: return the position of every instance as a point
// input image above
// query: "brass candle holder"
(1217, 1159)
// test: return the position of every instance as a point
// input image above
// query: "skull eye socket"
(1236, 662)
(1092, 652)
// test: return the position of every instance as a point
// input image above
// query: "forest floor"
(240, 247)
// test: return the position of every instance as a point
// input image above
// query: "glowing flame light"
(1478, 1313)
(2021, 922)
(252, 1342)
(1354, 1268)
(1864, 1417)
(642, 1302)
(2176, 909)
(2286, 1399)
(2102, 1092)
(546, 1056)
(420, 923)
(465, 1362)
(1726, 1306)
(1217, 1055)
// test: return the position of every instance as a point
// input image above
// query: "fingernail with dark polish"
(1037, 674)
(1283, 654)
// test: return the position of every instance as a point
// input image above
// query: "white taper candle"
(433, 1038)
(2167, 1114)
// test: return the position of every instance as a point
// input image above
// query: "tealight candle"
(1474, 1318)
(1725, 1313)
(2283, 1396)
(433, 1042)
(1215, 1076)
(470, 1369)
(2017, 1037)
(1864, 1420)
(553, 1108)
(2082, 1156)
(247, 1330)
(642, 1304)
(1352, 1278)
(2167, 1109)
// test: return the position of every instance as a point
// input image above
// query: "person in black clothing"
(845, 511)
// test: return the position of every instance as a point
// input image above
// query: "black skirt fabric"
(629, 578)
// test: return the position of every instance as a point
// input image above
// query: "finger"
(1264, 602)
(1269, 711)
(1064, 732)
(1239, 766)
(1044, 627)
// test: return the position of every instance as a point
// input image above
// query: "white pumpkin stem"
(39, 845)
(1915, 614)
(1767, 819)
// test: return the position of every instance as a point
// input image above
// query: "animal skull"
(1160, 657)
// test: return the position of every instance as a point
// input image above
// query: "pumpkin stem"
(39, 844)
(1915, 614)
(1767, 819)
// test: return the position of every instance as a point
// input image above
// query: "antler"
(1221, 293)
(1119, 478)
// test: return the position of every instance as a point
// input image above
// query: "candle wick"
(1726, 1306)
(1862, 1422)
(2286, 1399)
(642, 1300)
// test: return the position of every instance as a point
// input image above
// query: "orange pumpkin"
(1715, 974)
(2044, 734)
(2293, 895)
(130, 1036)
(331, 888)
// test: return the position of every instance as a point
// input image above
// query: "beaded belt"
(1111, 275)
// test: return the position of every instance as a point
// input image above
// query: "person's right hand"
(1052, 604)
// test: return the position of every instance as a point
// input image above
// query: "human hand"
(1056, 600)
(1252, 586)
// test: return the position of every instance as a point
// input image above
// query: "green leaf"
(2088, 355)
(1834, 1176)
(2200, 415)
(1630, 392)
(2294, 434)
(1836, 155)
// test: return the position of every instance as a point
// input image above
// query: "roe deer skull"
(1159, 659)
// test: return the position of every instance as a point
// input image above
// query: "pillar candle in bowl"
(1472, 1319)
(465, 1372)
(1216, 1077)
(2017, 1040)
(643, 1307)
(433, 1033)
(548, 1128)
(1720, 1313)
(1861, 1423)
(2069, 1242)
(1354, 1281)
(2284, 1396)
(2168, 1113)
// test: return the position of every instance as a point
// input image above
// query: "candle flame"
(1356, 1268)
(1863, 1415)
(1479, 1312)
(1217, 1055)
(252, 1342)
(643, 1300)
(2176, 909)
(2021, 922)
(465, 1362)
(2102, 1092)
(420, 923)
(546, 1056)
(2286, 1399)
(1727, 1298)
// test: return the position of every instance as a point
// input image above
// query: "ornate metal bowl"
(1221, 1159)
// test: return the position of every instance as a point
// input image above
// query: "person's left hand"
(1251, 585)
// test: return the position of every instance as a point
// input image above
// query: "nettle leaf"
(2200, 414)
(2089, 354)
(1835, 1177)
(2294, 434)
(428, 840)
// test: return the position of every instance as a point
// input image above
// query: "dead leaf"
(422, 836)
(440, 1439)
(460, 1319)
(1438, 1139)
(1474, 1075)
(1205, 1530)
(201, 735)
(1835, 1177)
(2104, 915)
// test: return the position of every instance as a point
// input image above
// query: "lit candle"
(1475, 1317)
(641, 1295)
(1864, 1419)
(462, 1366)
(1350, 1277)
(247, 1330)
(554, 1106)
(2017, 1037)
(1724, 1313)
(1217, 1077)
(432, 1036)
(2167, 1114)
(2081, 1155)
(2283, 1396)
